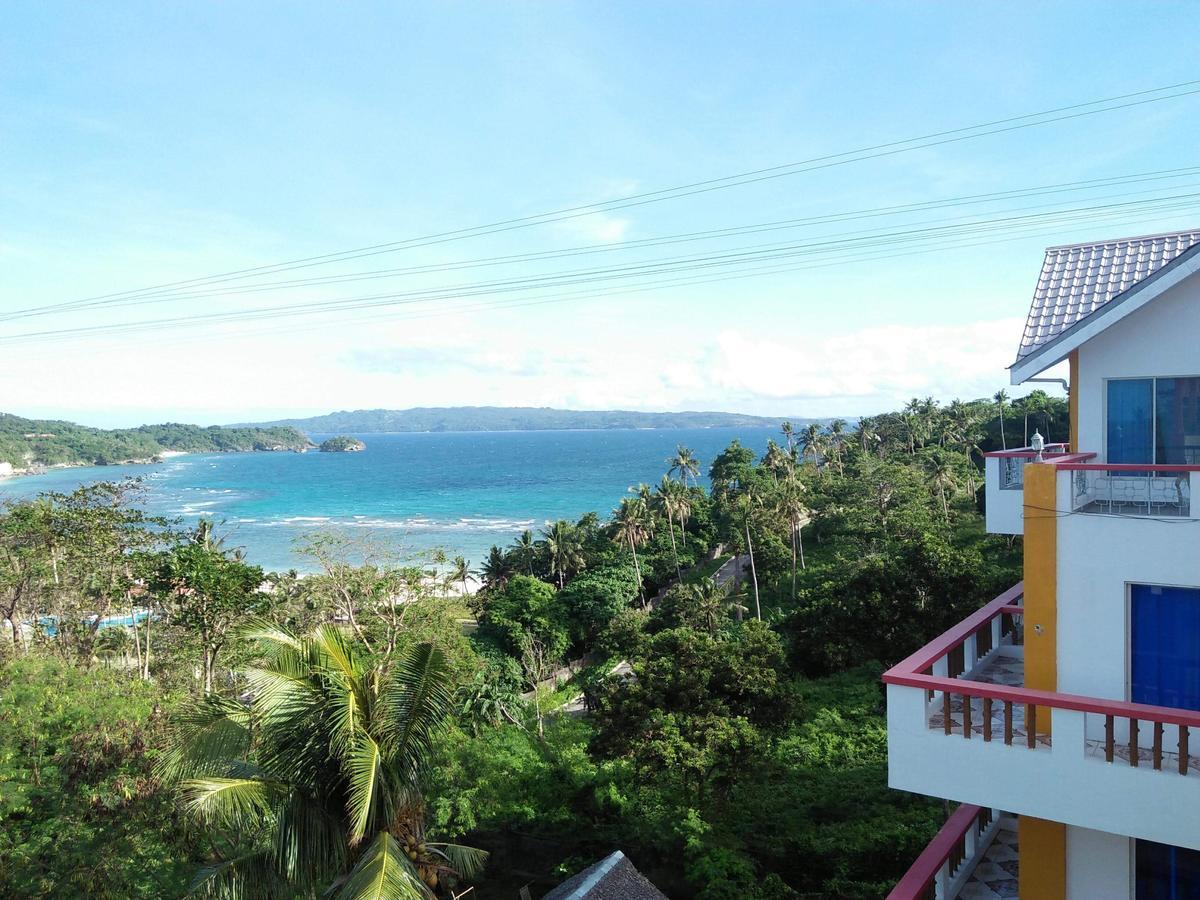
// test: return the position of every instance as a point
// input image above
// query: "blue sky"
(149, 143)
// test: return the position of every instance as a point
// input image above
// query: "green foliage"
(343, 443)
(591, 601)
(525, 606)
(38, 442)
(81, 813)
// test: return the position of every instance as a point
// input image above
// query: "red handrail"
(1029, 452)
(913, 672)
(1125, 467)
(920, 876)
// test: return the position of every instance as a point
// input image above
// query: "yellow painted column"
(1073, 401)
(1042, 846)
(1041, 577)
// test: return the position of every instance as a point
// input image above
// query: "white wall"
(1060, 783)
(1098, 555)
(1099, 865)
(1162, 338)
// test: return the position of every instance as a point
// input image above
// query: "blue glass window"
(1167, 873)
(1165, 646)
(1131, 420)
(1176, 421)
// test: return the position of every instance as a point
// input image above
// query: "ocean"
(407, 493)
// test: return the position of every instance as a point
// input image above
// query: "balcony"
(975, 854)
(1004, 478)
(962, 725)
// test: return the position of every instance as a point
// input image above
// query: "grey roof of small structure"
(612, 878)
(1078, 279)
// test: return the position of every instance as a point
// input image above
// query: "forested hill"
(519, 418)
(29, 443)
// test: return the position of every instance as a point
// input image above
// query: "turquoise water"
(409, 492)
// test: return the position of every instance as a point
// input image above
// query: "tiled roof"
(1078, 279)
(612, 878)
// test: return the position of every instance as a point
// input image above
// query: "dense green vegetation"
(514, 418)
(341, 444)
(28, 443)
(341, 735)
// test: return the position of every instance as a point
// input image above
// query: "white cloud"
(462, 362)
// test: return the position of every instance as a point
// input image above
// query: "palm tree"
(316, 787)
(794, 509)
(837, 438)
(811, 442)
(745, 506)
(497, 568)
(777, 461)
(665, 499)
(525, 551)
(564, 548)
(941, 476)
(789, 435)
(685, 463)
(460, 571)
(631, 527)
(713, 601)
(1001, 397)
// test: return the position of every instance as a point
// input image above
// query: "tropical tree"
(793, 508)
(812, 443)
(685, 463)
(460, 571)
(666, 499)
(497, 568)
(941, 475)
(746, 504)
(1001, 397)
(525, 551)
(789, 435)
(209, 591)
(564, 548)
(631, 528)
(316, 787)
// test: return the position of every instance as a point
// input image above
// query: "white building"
(1068, 709)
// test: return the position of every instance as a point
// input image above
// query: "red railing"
(1029, 452)
(916, 671)
(1124, 467)
(947, 851)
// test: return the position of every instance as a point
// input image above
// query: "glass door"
(1164, 638)
(1167, 873)
(1131, 420)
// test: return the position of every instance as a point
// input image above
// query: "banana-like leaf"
(384, 873)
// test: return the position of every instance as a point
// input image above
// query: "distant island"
(343, 443)
(516, 418)
(29, 445)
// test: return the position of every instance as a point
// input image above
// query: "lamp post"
(1038, 443)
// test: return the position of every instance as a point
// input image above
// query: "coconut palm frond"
(252, 874)
(367, 786)
(239, 803)
(206, 737)
(467, 862)
(413, 702)
(383, 872)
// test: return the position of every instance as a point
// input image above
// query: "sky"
(144, 144)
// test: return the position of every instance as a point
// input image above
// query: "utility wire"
(671, 266)
(875, 151)
(686, 237)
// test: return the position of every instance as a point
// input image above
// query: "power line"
(686, 237)
(670, 265)
(889, 148)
